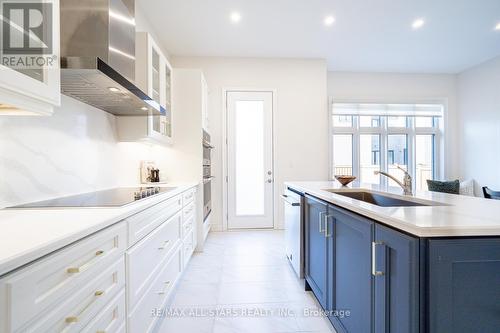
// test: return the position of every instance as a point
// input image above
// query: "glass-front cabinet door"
(30, 67)
(160, 126)
(167, 104)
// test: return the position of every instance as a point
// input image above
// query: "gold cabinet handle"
(74, 319)
(167, 283)
(73, 270)
(164, 245)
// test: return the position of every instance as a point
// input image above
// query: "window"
(379, 137)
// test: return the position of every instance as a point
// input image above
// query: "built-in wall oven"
(207, 175)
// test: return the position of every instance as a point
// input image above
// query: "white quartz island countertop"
(458, 216)
(29, 234)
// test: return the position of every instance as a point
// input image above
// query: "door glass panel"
(424, 159)
(342, 154)
(249, 158)
(369, 158)
(397, 154)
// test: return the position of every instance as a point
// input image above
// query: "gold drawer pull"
(164, 245)
(73, 270)
(167, 283)
(75, 319)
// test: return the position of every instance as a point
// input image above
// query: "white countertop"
(28, 234)
(460, 216)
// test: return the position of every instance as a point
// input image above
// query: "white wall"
(387, 87)
(479, 103)
(301, 126)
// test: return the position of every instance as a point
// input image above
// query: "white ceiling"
(368, 35)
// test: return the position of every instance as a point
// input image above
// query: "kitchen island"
(423, 263)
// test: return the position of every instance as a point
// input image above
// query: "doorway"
(250, 173)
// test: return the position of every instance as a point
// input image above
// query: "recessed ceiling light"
(418, 23)
(144, 108)
(497, 27)
(235, 17)
(113, 89)
(329, 20)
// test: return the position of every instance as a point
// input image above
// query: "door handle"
(374, 259)
(327, 234)
(320, 222)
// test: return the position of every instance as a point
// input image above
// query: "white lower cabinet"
(144, 258)
(85, 304)
(54, 279)
(141, 318)
(112, 281)
(110, 319)
(189, 245)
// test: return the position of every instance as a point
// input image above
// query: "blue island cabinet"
(315, 243)
(349, 278)
(464, 285)
(396, 271)
(393, 282)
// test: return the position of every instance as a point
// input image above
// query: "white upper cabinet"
(30, 81)
(153, 75)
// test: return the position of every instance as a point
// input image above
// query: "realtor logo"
(26, 28)
(27, 34)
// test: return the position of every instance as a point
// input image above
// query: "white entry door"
(250, 159)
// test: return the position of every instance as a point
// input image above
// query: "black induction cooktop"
(115, 197)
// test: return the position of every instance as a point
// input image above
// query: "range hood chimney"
(98, 57)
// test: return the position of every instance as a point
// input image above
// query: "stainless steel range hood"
(98, 57)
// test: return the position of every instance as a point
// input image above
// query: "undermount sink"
(381, 200)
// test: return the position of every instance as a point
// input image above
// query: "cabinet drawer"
(188, 211)
(188, 247)
(146, 221)
(73, 314)
(142, 319)
(111, 319)
(187, 226)
(188, 196)
(53, 279)
(144, 259)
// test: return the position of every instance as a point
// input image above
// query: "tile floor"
(242, 283)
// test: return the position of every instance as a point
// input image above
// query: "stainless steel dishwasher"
(293, 230)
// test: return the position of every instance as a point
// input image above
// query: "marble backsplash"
(74, 151)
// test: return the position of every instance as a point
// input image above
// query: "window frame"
(383, 131)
